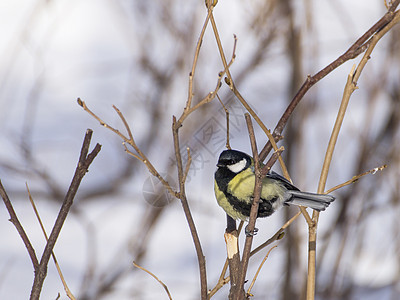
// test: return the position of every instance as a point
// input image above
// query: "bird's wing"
(275, 176)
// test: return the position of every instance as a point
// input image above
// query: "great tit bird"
(234, 188)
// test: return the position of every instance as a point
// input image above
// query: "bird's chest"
(242, 187)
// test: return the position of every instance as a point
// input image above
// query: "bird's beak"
(219, 165)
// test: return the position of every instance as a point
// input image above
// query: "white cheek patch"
(238, 167)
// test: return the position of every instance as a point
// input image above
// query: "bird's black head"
(234, 160)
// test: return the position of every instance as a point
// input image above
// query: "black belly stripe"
(264, 208)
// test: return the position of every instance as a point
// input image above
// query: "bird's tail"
(318, 202)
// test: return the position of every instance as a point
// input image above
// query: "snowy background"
(137, 55)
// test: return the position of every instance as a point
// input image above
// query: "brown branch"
(129, 140)
(357, 48)
(228, 145)
(155, 277)
(351, 86)
(253, 212)
(312, 227)
(14, 219)
(185, 205)
(210, 96)
(232, 260)
(66, 288)
(194, 65)
(394, 5)
(248, 294)
(188, 163)
(274, 157)
(277, 236)
(229, 79)
(259, 174)
(182, 174)
(271, 138)
(85, 160)
(356, 178)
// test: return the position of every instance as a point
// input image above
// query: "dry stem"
(155, 277)
(66, 288)
(14, 219)
(85, 161)
(258, 271)
(356, 49)
(350, 87)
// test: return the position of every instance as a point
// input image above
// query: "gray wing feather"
(315, 201)
(283, 180)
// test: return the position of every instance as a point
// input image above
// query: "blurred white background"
(137, 55)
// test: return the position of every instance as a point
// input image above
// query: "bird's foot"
(250, 232)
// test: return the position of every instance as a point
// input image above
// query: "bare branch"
(85, 160)
(258, 271)
(187, 212)
(18, 226)
(155, 277)
(66, 288)
(357, 48)
(356, 178)
(228, 146)
(253, 211)
(196, 56)
(140, 155)
(189, 161)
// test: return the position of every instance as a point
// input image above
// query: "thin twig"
(66, 288)
(128, 129)
(231, 84)
(14, 219)
(130, 141)
(277, 236)
(351, 86)
(196, 56)
(221, 282)
(210, 96)
(356, 178)
(253, 210)
(228, 145)
(285, 171)
(187, 168)
(356, 49)
(312, 228)
(258, 271)
(229, 79)
(187, 212)
(156, 278)
(85, 160)
(102, 123)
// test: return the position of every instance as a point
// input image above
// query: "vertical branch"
(228, 145)
(312, 228)
(66, 288)
(253, 211)
(196, 56)
(233, 256)
(230, 81)
(231, 233)
(185, 205)
(85, 160)
(351, 86)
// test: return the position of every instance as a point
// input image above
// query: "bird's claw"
(250, 232)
